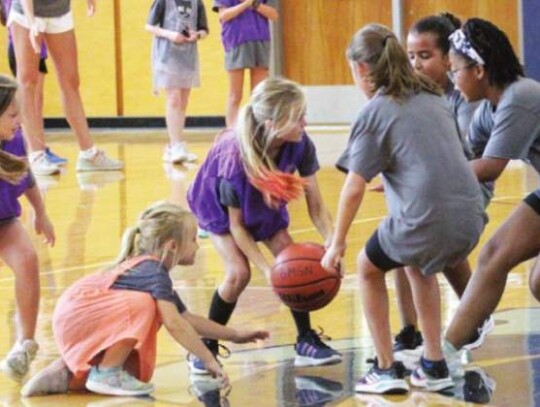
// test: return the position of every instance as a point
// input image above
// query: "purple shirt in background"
(9, 193)
(246, 27)
(43, 54)
(224, 163)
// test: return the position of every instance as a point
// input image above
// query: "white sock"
(89, 153)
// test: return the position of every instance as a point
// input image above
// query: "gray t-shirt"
(511, 129)
(174, 65)
(45, 8)
(435, 207)
(150, 277)
(463, 110)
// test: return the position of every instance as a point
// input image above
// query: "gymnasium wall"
(314, 36)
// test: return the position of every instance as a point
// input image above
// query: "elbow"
(274, 16)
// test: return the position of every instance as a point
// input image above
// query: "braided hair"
(493, 45)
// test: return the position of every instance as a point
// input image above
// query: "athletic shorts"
(254, 54)
(533, 200)
(47, 25)
(377, 256)
(13, 62)
(6, 221)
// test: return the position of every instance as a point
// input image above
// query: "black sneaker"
(312, 351)
(407, 339)
(432, 375)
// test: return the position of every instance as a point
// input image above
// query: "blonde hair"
(157, 225)
(12, 168)
(278, 100)
(281, 103)
(390, 68)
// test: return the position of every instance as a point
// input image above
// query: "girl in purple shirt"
(245, 33)
(230, 200)
(16, 249)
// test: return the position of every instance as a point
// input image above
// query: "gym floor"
(90, 212)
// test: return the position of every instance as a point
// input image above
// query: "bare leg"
(117, 354)
(236, 84)
(17, 251)
(28, 78)
(407, 312)
(175, 113)
(257, 75)
(427, 300)
(375, 301)
(516, 240)
(63, 50)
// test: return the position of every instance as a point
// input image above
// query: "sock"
(448, 348)
(89, 153)
(302, 322)
(220, 312)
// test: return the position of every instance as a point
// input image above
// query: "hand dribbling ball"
(299, 279)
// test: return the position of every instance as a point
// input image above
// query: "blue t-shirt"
(150, 277)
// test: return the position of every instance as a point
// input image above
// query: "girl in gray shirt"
(408, 134)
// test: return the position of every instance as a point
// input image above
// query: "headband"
(461, 43)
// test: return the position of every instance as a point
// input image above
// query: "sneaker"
(432, 376)
(178, 154)
(17, 362)
(477, 386)
(312, 351)
(53, 158)
(209, 391)
(202, 234)
(98, 162)
(407, 339)
(116, 382)
(383, 381)
(314, 390)
(453, 360)
(40, 165)
(197, 366)
(478, 339)
(54, 379)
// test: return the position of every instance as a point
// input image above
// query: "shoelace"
(317, 338)
(223, 352)
(401, 370)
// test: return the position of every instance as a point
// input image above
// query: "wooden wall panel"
(504, 14)
(317, 32)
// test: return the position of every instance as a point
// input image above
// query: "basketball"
(299, 279)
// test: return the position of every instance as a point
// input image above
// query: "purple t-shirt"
(224, 163)
(9, 193)
(246, 27)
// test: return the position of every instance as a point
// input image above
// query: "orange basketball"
(299, 279)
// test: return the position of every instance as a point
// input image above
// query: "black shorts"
(533, 201)
(377, 256)
(13, 62)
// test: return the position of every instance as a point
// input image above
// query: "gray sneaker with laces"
(116, 382)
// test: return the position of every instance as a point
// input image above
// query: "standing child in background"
(31, 22)
(233, 199)
(408, 134)
(245, 33)
(51, 157)
(428, 47)
(177, 26)
(16, 249)
(505, 127)
(106, 324)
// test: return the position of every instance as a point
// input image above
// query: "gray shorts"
(254, 54)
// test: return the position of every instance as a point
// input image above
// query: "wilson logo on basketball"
(299, 298)
(291, 272)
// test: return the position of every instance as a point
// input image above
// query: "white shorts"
(47, 25)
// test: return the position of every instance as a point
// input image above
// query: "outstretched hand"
(43, 226)
(250, 336)
(217, 371)
(332, 258)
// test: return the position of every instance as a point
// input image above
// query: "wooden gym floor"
(90, 211)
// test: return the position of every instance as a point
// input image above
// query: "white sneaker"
(98, 162)
(54, 379)
(17, 361)
(486, 327)
(178, 153)
(40, 165)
